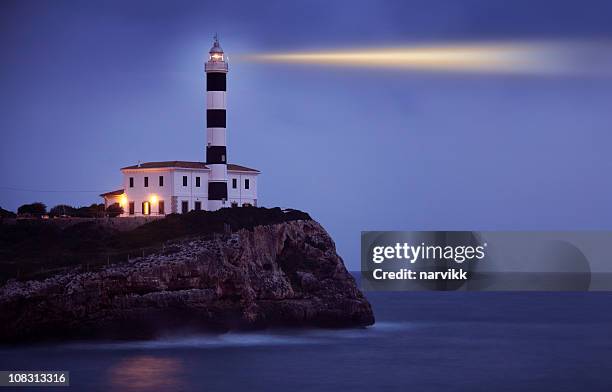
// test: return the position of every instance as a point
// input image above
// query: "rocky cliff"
(284, 274)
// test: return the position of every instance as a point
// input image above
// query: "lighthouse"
(178, 187)
(216, 131)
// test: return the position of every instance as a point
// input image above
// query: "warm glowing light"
(123, 200)
(491, 57)
(217, 57)
(146, 373)
(153, 199)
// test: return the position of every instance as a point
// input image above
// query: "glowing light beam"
(535, 57)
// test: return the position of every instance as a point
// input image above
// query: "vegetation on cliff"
(37, 249)
(6, 214)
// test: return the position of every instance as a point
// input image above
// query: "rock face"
(285, 274)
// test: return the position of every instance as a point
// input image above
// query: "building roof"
(233, 167)
(216, 47)
(113, 193)
(163, 164)
(185, 165)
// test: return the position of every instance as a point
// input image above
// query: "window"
(197, 182)
(131, 208)
(198, 206)
(234, 183)
(161, 180)
(131, 182)
(246, 183)
(161, 207)
(184, 207)
(184, 180)
(146, 208)
(146, 182)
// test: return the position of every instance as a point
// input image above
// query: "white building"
(159, 188)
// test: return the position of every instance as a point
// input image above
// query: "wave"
(246, 339)
(195, 341)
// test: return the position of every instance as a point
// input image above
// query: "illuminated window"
(146, 208)
(216, 57)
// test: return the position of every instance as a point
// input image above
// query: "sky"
(89, 87)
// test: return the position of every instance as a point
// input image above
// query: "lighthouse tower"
(216, 142)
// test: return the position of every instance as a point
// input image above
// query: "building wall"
(190, 193)
(173, 193)
(138, 194)
(240, 195)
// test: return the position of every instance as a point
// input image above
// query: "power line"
(49, 190)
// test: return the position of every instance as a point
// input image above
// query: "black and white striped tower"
(216, 147)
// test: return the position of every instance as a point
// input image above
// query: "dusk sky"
(89, 87)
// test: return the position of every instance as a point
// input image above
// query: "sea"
(422, 341)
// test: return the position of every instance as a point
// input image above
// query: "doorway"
(146, 208)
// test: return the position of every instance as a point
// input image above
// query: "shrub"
(34, 209)
(62, 209)
(114, 210)
(97, 210)
(6, 213)
(93, 211)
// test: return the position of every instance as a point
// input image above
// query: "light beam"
(504, 57)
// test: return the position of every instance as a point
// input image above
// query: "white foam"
(195, 341)
(247, 339)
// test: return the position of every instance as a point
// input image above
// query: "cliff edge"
(279, 274)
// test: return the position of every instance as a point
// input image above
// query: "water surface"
(430, 341)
